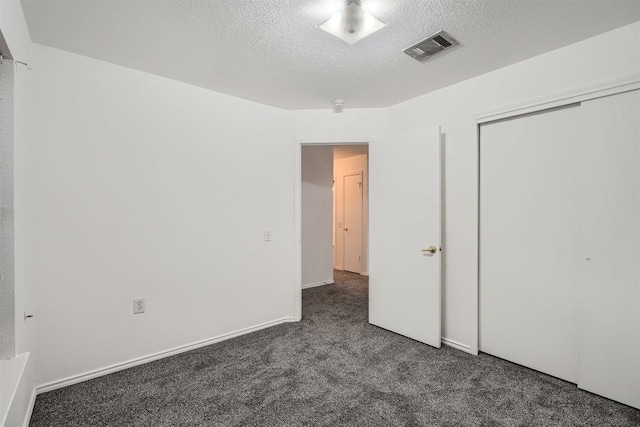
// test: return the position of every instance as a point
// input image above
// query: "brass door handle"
(431, 249)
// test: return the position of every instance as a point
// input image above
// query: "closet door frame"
(536, 105)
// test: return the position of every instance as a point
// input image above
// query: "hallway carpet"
(330, 369)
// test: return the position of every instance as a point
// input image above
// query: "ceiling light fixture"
(352, 23)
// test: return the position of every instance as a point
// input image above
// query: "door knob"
(346, 229)
(431, 249)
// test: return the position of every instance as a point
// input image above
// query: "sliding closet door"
(560, 243)
(610, 251)
(528, 211)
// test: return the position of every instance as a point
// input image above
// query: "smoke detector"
(338, 105)
(430, 46)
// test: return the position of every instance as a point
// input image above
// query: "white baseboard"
(313, 285)
(457, 345)
(74, 379)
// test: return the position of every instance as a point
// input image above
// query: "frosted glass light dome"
(352, 23)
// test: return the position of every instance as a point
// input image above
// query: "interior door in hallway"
(404, 237)
(352, 231)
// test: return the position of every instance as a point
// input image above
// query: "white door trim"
(600, 90)
(578, 95)
(297, 181)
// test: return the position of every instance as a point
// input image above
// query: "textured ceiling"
(272, 52)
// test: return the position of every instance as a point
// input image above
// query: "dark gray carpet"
(331, 369)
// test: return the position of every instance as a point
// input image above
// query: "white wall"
(7, 263)
(17, 376)
(25, 254)
(342, 167)
(317, 215)
(14, 30)
(140, 186)
(456, 108)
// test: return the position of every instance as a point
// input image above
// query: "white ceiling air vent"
(428, 47)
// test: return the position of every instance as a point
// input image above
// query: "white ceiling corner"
(272, 52)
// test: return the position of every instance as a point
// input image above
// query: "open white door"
(404, 200)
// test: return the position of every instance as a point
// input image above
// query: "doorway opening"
(351, 208)
(334, 213)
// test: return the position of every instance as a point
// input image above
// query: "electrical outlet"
(139, 305)
(267, 235)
